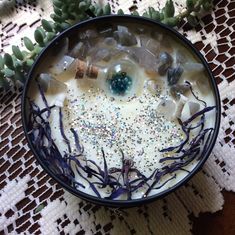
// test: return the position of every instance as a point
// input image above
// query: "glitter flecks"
(116, 125)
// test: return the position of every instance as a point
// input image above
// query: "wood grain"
(219, 223)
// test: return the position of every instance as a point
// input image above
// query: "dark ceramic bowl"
(96, 22)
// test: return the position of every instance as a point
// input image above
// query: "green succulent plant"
(14, 67)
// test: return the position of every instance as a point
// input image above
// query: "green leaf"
(18, 64)
(57, 3)
(28, 44)
(57, 11)
(145, 14)
(19, 76)
(4, 83)
(72, 6)
(65, 8)
(171, 21)
(39, 208)
(92, 8)
(38, 49)
(88, 3)
(56, 18)
(58, 27)
(190, 4)
(65, 17)
(192, 20)
(120, 12)
(2, 63)
(42, 31)
(107, 9)
(39, 37)
(8, 61)
(65, 25)
(18, 54)
(156, 15)
(135, 13)
(99, 11)
(9, 73)
(169, 10)
(207, 6)
(47, 25)
(50, 36)
(29, 63)
(82, 6)
(161, 16)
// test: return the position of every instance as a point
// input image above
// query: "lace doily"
(32, 203)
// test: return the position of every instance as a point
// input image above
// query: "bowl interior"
(73, 34)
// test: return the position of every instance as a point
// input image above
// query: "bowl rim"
(132, 202)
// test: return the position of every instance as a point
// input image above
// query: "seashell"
(165, 62)
(189, 109)
(174, 75)
(178, 89)
(167, 108)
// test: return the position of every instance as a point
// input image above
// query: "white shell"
(183, 99)
(189, 109)
(167, 108)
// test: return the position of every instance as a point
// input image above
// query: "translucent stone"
(79, 51)
(167, 108)
(153, 46)
(51, 85)
(188, 66)
(101, 54)
(165, 61)
(152, 86)
(174, 74)
(122, 28)
(143, 40)
(61, 65)
(88, 34)
(110, 41)
(106, 31)
(180, 58)
(150, 44)
(144, 57)
(193, 67)
(179, 89)
(124, 37)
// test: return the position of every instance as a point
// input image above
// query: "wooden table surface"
(219, 223)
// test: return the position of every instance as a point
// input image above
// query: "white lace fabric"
(32, 203)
